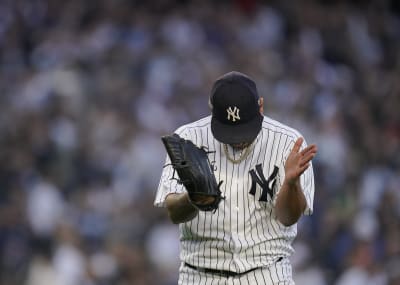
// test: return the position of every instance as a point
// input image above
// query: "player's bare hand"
(298, 161)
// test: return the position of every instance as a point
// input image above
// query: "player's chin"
(240, 146)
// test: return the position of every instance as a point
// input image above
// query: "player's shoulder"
(201, 124)
(273, 125)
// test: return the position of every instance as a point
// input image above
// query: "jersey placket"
(237, 212)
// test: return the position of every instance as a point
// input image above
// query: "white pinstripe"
(244, 232)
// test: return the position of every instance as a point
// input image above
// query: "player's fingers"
(303, 168)
(297, 145)
(307, 158)
(311, 148)
(309, 155)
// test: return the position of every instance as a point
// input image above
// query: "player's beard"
(240, 146)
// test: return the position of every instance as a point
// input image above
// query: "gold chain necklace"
(242, 156)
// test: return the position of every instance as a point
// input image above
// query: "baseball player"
(268, 183)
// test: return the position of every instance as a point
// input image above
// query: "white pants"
(278, 273)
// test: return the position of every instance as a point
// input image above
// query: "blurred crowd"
(88, 87)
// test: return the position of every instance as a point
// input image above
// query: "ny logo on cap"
(233, 115)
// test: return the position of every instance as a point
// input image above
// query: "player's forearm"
(290, 203)
(179, 208)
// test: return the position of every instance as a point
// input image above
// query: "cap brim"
(233, 134)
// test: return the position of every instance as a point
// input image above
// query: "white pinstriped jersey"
(244, 232)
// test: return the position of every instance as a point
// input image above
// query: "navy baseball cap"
(236, 116)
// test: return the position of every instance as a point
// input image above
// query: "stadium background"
(88, 87)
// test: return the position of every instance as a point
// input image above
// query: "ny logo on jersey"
(267, 186)
(233, 115)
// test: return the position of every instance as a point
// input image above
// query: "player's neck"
(244, 151)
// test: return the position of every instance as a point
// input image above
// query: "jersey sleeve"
(168, 183)
(307, 185)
